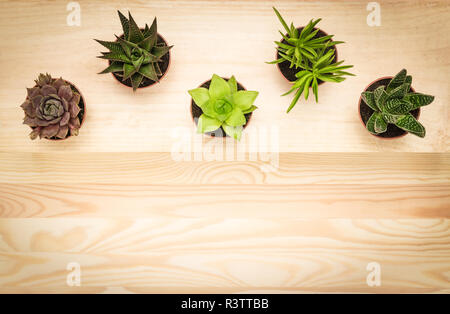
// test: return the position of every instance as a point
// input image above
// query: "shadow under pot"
(146, 82)
(196, 112)
(284, 67)
(80, 116)
(365, 111)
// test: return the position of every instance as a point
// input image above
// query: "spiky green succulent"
(301, 48)
(321, 69)
(312, 56)
(52, 108)
(392, 104)
(223, 106)
(136, 54)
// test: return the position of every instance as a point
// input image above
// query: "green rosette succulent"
(51, 108)
(392, 104)
(136, 54)
(223, 106)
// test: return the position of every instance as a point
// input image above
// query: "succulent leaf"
(233, 131)
(150, 36)
(397, 106)
(307, 86)
(391, 118)
(250, 109)
(137, 63)
(377, 94)
(219, 88)
(398, 80)
(135, 35)
(315, 86)
(128, 71)
(408, 79)
(148, 42)
(244, 99)
(411, 125)
(146, 30)
(400, 91)
(369, 99)
(113, 67)
(236, 118)
(282, 21)
(113, 56)
(158, 52)
(295, 99)
(370, 125)
(136, 80)
(380, 126)
(157, 70)
(125, 45)
(233, 84)
(111, 45)
(382, 100)
(199, 95)
(125, 24)
(207, 124)
(149, 72)
(418, 100)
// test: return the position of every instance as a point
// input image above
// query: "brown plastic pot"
(371, 87)
(320, 33)
(84, 111)
(196, 108)
(118, 79)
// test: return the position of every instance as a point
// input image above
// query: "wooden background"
(118, 202)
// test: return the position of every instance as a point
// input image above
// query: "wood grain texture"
(283, 168)
(222, 201)
(224, 37)
(240, 255)
(304, 210)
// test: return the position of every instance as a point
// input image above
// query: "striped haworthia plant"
(393, 104)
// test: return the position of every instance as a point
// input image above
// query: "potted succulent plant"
(54, 108)
(389, 107)
(307, 57)
(139, 57)
(222, 107)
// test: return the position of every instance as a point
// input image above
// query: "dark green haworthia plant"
(136, 54)
(223, 106)
(393, 104)
(311, 54)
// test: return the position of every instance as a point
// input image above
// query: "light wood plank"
(239, 255)
(225, 201)
(283, 168)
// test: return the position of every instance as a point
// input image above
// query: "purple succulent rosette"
(52, 108)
